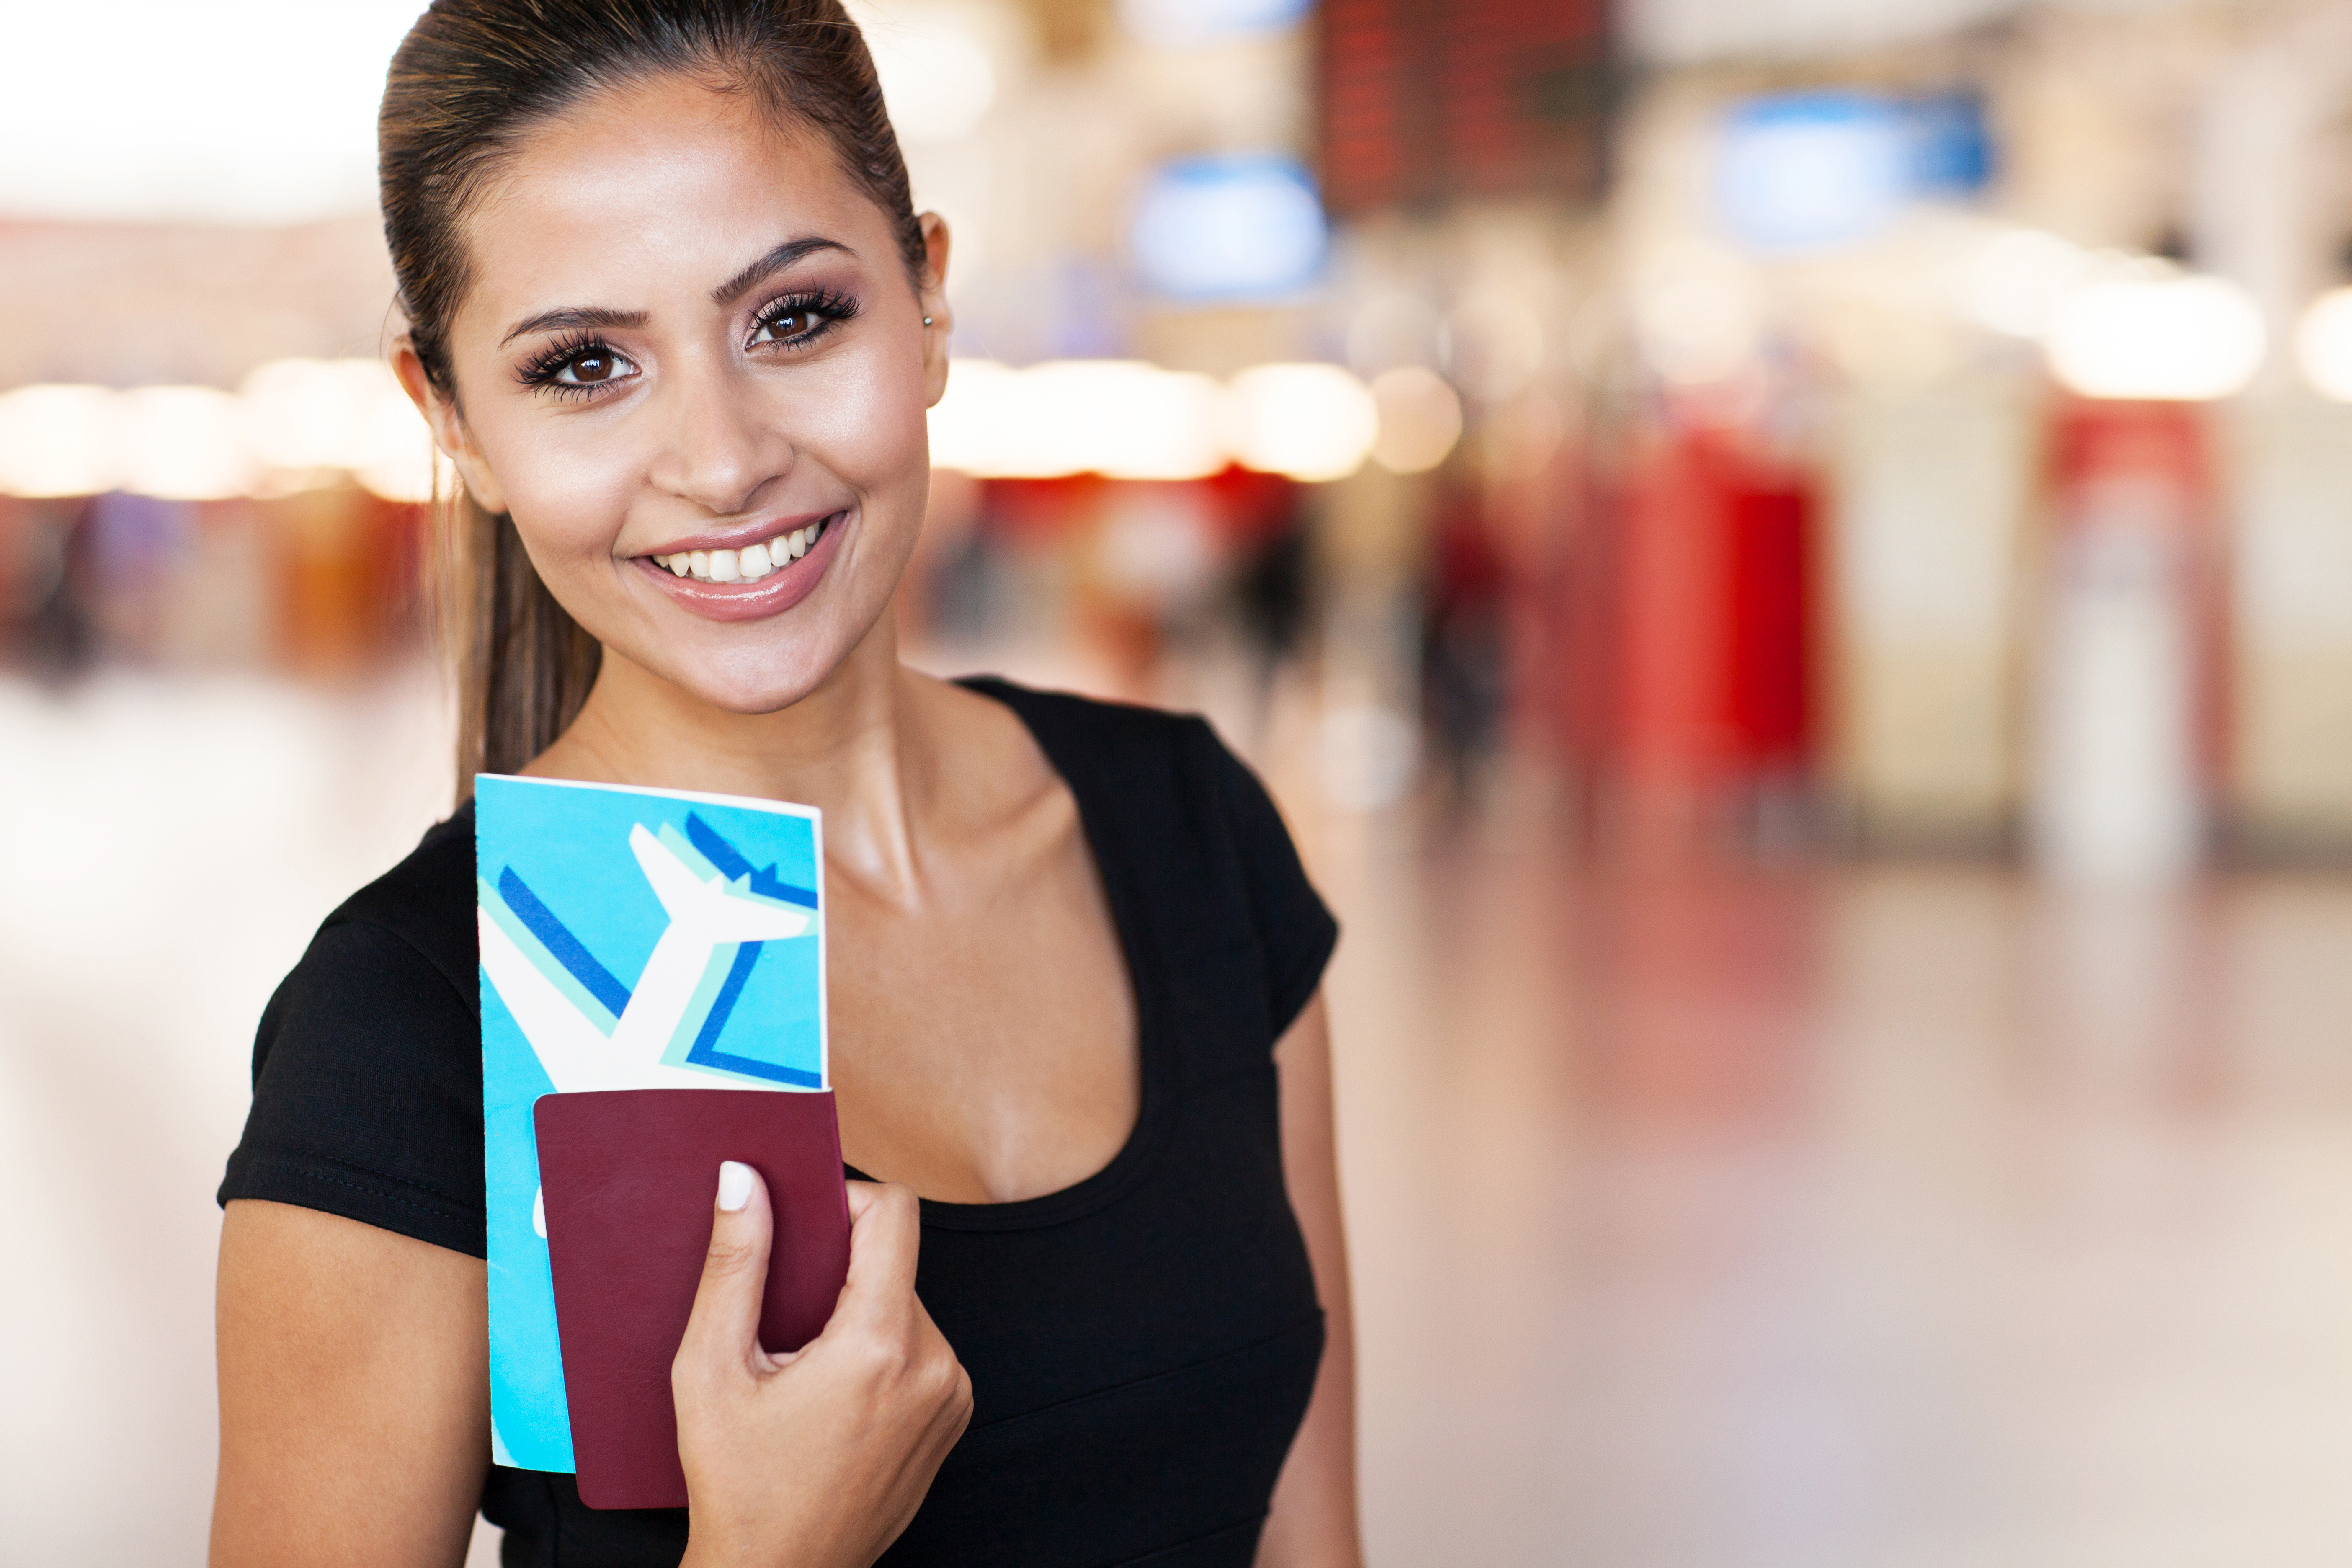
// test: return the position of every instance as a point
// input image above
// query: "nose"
(719, 453)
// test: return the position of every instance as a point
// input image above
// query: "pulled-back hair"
(472, 77)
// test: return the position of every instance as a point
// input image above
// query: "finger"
(885, 1234)
(725, 1324)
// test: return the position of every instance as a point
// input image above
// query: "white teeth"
(748, 564)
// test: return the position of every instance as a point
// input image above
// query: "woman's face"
(691, 366)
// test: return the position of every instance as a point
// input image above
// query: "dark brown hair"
(471, 78)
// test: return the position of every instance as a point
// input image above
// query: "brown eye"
(796, 322)
(578, 367)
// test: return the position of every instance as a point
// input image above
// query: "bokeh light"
(2322, 345)
(2014, 281)
(57, 441)
(180, 442)
(1306, 421)
(2177, 339)
(1420, 419)
(1129, 420)
(294, 423)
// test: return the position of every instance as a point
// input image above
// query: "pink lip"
(772, 596)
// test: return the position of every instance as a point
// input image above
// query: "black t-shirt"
(1141, 1345)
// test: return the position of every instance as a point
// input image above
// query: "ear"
(448, 426)
(933, 298)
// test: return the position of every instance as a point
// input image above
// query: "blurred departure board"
(1427, 100)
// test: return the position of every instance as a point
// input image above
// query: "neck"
(845, 747)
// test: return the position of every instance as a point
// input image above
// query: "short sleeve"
(367, 1092)
(1295, 929)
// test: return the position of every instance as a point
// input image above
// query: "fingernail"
(734, 1185)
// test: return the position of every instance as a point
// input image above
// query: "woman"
(673, 318)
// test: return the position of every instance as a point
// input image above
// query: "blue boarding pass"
(630, 939)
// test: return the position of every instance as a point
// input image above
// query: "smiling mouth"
(751, 562)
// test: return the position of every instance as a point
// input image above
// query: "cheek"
(868, 427)
(568, 491)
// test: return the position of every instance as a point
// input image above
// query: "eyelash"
(829, 308)
(544, 366)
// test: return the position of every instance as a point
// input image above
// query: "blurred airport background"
(1790, 561)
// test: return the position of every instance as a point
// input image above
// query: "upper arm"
(1313, 1521)
(354, 1394)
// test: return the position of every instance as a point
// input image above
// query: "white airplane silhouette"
(704, 915)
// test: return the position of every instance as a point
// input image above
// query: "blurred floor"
(1874, 1216)
(1877, 1216)
(166, 848)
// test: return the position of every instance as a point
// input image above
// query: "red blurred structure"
(1713, 645)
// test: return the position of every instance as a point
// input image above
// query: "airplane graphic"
(588, 1031)
(693, 959)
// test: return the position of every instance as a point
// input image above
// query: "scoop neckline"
(1155, 1088)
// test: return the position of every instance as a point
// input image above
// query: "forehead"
(665, 182)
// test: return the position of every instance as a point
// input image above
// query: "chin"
(753, 704)
(769, 692)
(758, 679)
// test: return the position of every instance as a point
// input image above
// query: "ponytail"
(523, 665)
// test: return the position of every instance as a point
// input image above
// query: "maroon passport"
(629, 1177)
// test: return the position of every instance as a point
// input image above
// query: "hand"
(818, 1458)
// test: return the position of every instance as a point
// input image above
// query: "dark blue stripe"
(706, 1051)
(752, 1066)
(557, 938)
(732, 864)
(722, 1004)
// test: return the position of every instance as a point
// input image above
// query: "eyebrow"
(776, 260)
(572, 318)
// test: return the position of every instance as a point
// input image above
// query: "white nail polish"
(734, 1185)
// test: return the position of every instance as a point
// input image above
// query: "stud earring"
(927, 321)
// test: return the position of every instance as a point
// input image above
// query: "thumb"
(886, 1228)
(725, 1326)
